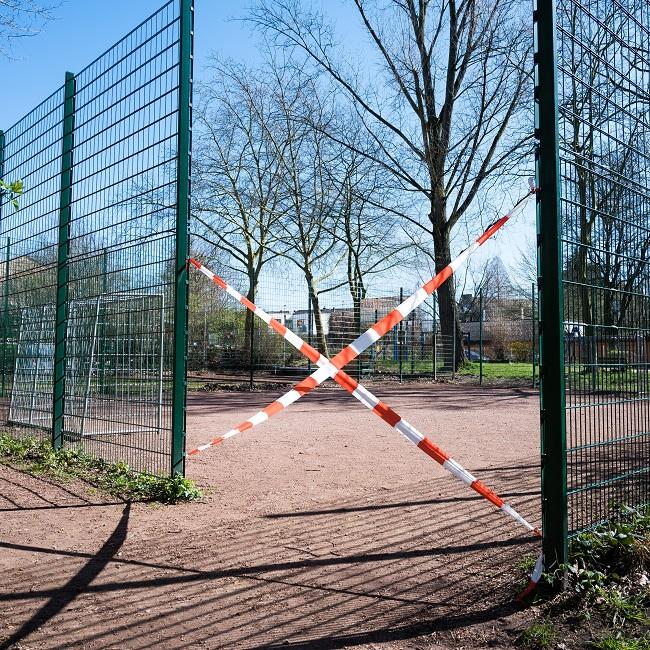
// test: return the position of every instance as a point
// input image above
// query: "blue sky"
(83, 29)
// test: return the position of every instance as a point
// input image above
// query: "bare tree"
(307, 232)
(237, 171)
(600, 181)
(368, 226)
(621, 267)
(452, 115)
(582, 117)
(19, 18)
(525, 266)
(620, 259)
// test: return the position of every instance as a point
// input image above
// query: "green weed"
(118, 479)
(609, 569)
(618, 642)
(526, 564)
(539, 636)
(622, 608)
(617, 547)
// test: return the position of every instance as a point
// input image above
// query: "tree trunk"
(357, 291)
(582, 261)
(321, 339)
(588, 354)
(449, 325)
(248, 353)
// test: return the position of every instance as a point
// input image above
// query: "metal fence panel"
(29, 242)
(603, 86)
(223, 345)
(226, 346)
(113, 222)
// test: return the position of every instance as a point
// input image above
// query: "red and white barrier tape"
(354, 349)
(364, 396)
(535, 577)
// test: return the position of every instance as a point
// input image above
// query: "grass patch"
(625, 379)
(38, 457)
(498, 370)
(380, 365)
(610, 565)
(468, 369)
(610, 568)
(619, 642)
(606, 603)
(539, 636)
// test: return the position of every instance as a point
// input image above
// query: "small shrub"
(521, 351)
(38, 457)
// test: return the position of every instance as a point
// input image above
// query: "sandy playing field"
(322, 528)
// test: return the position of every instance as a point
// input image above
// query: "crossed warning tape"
(333, 368)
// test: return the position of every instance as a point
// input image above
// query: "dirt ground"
(322, 528)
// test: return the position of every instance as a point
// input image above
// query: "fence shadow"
(23, 491)
(390, 568)
(60, 598)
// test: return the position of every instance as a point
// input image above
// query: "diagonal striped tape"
(535, 577)
(354, 349)
(362, 394)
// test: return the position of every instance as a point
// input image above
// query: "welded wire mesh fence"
(604, 127)
(226, 344)
(90, 281)
(31, 151)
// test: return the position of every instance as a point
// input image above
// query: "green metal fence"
(94, 278)
(593, 74)
(499, 329)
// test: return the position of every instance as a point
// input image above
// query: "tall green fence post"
(533, 332)
(5, 317)
(309, 328)
(181, 305)
(65, 209)
(434, 338)
(357, 327)
(453, 357)
(6, 275)
(251, 349)
(373, 354)
(412, 345)
(551, 330)
(400, 339)
(480, 337)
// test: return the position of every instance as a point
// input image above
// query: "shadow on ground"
(428, 560)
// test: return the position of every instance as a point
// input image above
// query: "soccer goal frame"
(114, 381)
